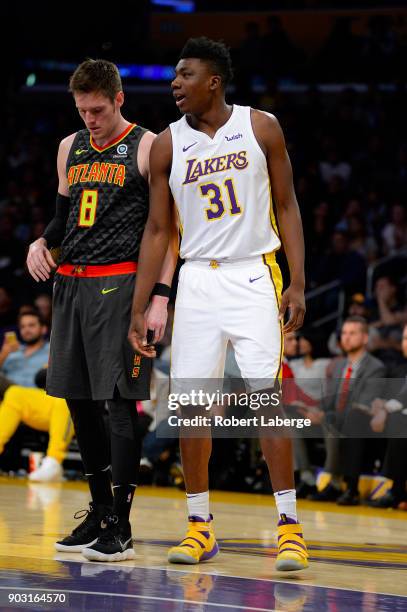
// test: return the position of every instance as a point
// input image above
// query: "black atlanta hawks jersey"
(108, 200)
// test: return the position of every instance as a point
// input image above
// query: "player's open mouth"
(179, 98)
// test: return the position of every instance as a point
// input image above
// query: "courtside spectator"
(310, 368)
(391, 417)
(294, 396)
(21, 362)
(388, 317)
(43, 303)
(36, 409)
(353, 382)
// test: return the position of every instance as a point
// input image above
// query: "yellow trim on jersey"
(275, 273)
(276, 277)
(181, 228)
(272, 216)
(114, 142)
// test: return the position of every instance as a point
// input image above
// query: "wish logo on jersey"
(211, 165)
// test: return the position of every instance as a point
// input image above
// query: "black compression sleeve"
(55, 230)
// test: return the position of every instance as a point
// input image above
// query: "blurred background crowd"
(341, 104)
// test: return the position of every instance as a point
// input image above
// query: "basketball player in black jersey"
(101, 211)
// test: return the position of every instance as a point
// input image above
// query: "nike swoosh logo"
(189, 146)
(80, 151)
(104, 291)
(251, 280)
(284, 493)
(125, 544)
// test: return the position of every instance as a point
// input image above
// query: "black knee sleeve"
(123, 418)
(91, 434)
(125, 441)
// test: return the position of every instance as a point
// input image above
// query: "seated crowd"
(22, 396)
(351, 385)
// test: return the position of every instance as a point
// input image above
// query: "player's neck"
(212, 119)
(118, 129)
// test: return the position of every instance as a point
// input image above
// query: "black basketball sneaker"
(87, 532)
(114, 542)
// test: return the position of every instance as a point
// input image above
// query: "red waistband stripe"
(85, 271)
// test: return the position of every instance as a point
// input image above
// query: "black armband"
(55, 231)
(161, 289)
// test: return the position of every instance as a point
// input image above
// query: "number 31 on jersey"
(216, 208)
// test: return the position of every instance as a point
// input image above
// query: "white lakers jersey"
(222, 191)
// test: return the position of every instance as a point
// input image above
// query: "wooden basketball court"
(358, 556)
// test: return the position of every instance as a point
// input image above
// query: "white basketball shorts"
(234, 301)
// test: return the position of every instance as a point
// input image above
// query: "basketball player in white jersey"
(225, 167)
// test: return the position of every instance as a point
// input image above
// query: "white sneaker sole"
(74, 549)
(182, 558)
(290, 565)
(94, 555)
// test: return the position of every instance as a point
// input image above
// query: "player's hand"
(156, 316)
(293, 299)
(137, 336)
(39, 260)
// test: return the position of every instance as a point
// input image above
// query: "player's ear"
(119, 99)
(215, 82)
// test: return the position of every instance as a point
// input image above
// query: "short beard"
(33, 341)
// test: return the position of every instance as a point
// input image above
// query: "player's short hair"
(361, 320)
(96, 75)
(216, 53)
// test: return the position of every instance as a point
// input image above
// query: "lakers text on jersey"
(222, 191)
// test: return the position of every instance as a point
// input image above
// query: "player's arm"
(270, 136)
(171, 257)
(39, 258)
(154, 244)
(156, 313)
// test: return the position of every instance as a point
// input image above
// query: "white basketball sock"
(198, 504)
(286, 502)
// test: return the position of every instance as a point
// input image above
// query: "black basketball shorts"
(90, 354)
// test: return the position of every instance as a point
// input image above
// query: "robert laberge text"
(221, 421)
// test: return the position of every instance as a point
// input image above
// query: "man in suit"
(392, 419)
(354, 381)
